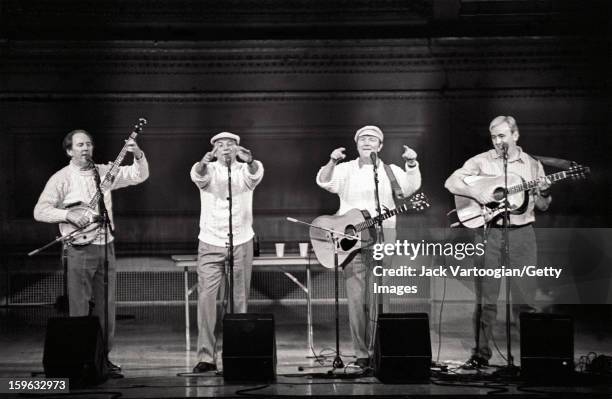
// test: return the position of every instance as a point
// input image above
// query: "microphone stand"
(65, 239)
(106, 226)
(380, 238)
(510, 370)
(230, 235)
(374, 158)
(62, 303)
(334, 236)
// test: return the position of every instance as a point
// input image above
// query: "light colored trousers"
(211, 274)
(362, 303)
(86, 283)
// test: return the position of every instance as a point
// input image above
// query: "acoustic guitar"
(356, 223)
(473, 214)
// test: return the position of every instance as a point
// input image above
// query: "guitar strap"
(398, 194)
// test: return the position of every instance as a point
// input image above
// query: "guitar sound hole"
(347, 243)
(498, 194)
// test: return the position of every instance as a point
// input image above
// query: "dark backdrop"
(295, 80)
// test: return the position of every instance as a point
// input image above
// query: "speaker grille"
(547, 346)
(249, 347)
(402, 351)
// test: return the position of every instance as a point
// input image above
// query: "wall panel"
(292, 102)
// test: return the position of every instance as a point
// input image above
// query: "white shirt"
(354, 184)
(72, 185)
(214, 212)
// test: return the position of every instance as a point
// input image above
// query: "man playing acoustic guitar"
(353, 182)
(522, 249)
(76, 184)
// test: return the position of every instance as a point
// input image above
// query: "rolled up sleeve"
(337, 181)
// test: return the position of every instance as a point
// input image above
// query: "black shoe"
(475, 363)
(362, 362)
(112, 367)
(203, 367)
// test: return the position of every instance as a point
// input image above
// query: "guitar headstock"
(418, 202)
(138, 127)
(578, 172)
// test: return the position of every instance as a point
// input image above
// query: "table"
(186, 261)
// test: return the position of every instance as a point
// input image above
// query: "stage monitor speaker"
(547, 346)
(402, 349)
(74, 349)
(249, 347)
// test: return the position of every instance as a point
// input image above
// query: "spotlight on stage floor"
(74, 349)
(402, 351)
(249, 347)
(547, 347)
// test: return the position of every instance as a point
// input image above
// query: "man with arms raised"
(353, 182)
(210, 175)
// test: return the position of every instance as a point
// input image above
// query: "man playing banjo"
(76, 184)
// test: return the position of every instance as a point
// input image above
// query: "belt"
(513, 226)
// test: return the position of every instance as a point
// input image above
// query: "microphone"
(373, 157)
(227, 159)
(505, 149)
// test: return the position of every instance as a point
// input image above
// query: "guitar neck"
(371, 222)
(555, 177)
(110, 175)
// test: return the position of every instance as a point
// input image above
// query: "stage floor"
(155, 363)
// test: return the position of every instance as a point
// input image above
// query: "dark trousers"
(523, 251)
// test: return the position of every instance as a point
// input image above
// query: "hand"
(132, 147)
(210, 156)
(409, 154)
(338, 154)
(543, 185)
(77, 217)
(482, 198)
(244, 155)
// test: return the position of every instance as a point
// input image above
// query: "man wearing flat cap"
(353, 182)
(210, 175)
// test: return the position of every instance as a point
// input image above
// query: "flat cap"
(225, 135)
(370, 131)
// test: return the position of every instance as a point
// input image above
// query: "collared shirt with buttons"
(353, 181)
(491, 163)
(214, 212)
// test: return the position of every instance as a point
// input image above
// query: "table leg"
(309, 309)
(187, 327)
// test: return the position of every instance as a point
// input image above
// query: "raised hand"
(409, 154)
(132, 147)
(338, 154)
(244, 155)
(210, 156)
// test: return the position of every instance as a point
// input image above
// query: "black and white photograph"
(305, 198)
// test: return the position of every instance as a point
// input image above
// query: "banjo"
(81, 236)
